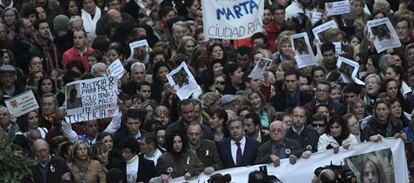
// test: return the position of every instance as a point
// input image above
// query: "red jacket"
(74, 54)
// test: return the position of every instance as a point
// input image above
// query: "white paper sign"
(116, 69)
(315, 16)
(303, 170)
(91, 99)
(182, 81)
(384, 34)
(137, 44)
(338, 8)
(261, 67)
(349, 70)
(303, 50)
(318, 31)
(22, 103)
(230, 19)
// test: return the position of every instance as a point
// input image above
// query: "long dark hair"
(341, 122)
(169, 143)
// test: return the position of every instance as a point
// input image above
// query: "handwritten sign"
(229, 19)
(137, 44)
(182, 81)
(116, 69)
(22, 104)
(338, 8)
(383, 33)
(91, 99)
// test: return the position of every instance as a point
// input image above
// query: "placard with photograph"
(319, 30)
(349, 70)
(384, 34)
(137, 44)
(182, 81)
(375, 166)
(262, 66)
(303, 50)
(91, 99)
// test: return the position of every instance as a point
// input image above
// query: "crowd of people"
(232, 120)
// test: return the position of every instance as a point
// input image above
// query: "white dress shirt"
(234, 148)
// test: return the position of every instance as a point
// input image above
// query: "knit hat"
(61, 23)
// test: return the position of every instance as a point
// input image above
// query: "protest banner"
(261, 67)
(91, 99)
(137, 44)
(303, 50)
(383, 33)
(230, 19)
(116, 69)
(319, 30)
(182, 81)
(338, 8)
(303, 170)
(22, 103)
(349, 70)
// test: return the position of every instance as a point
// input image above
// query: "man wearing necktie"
(237, 150)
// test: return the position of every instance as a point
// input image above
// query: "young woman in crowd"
(336, 135)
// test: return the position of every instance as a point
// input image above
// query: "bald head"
(114, 15)
(41, 151)
(98, 69)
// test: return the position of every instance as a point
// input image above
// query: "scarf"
(89, 23)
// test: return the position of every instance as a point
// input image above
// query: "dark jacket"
(55, 169)
(178, 165)
(265, 150)
(281, 101)
(208, 154)
(334, 108)
(373, 127)
(249, 154)
(146, 170)
(122, 134)
(181, 127)
(308, 138)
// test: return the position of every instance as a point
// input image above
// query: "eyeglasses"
(318, 125)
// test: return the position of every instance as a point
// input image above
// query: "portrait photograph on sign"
(376, 166)
(262, 66)
(303, 50)
(383, 34)
(182, 81)
(73, 99)
(320, 30)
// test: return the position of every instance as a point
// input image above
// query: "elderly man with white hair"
(99, 69)
(138, 72)
(278, 146)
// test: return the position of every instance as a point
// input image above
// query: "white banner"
(230, 19)
(91, 99)
(303, 170)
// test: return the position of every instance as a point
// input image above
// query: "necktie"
(239, 154)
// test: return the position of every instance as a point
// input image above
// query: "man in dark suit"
(278, 147)
(237, 150)
(291, 96)
(135, 168)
